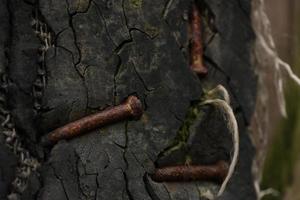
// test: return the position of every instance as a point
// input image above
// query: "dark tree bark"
(62, 60)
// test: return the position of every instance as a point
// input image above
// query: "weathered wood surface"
(98, 53)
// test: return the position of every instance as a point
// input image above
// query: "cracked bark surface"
(101, 51)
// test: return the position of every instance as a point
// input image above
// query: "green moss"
(151, 30)
(136, 3)
(183, 133)
(82, 5)
(193, 113)
(188, 159)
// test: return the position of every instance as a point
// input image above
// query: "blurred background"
(281, 170)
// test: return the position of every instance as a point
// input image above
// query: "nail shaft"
(182, 173)
(130, 108)
(196, 47)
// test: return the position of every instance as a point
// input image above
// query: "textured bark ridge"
(64, 59)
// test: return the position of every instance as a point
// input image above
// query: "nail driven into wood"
(196, 47)
(183, 173)
(130, 108)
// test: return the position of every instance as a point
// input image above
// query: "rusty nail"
(130, 108)
(196, 49)
(181, 173)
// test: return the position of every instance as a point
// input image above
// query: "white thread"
(233, 128)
